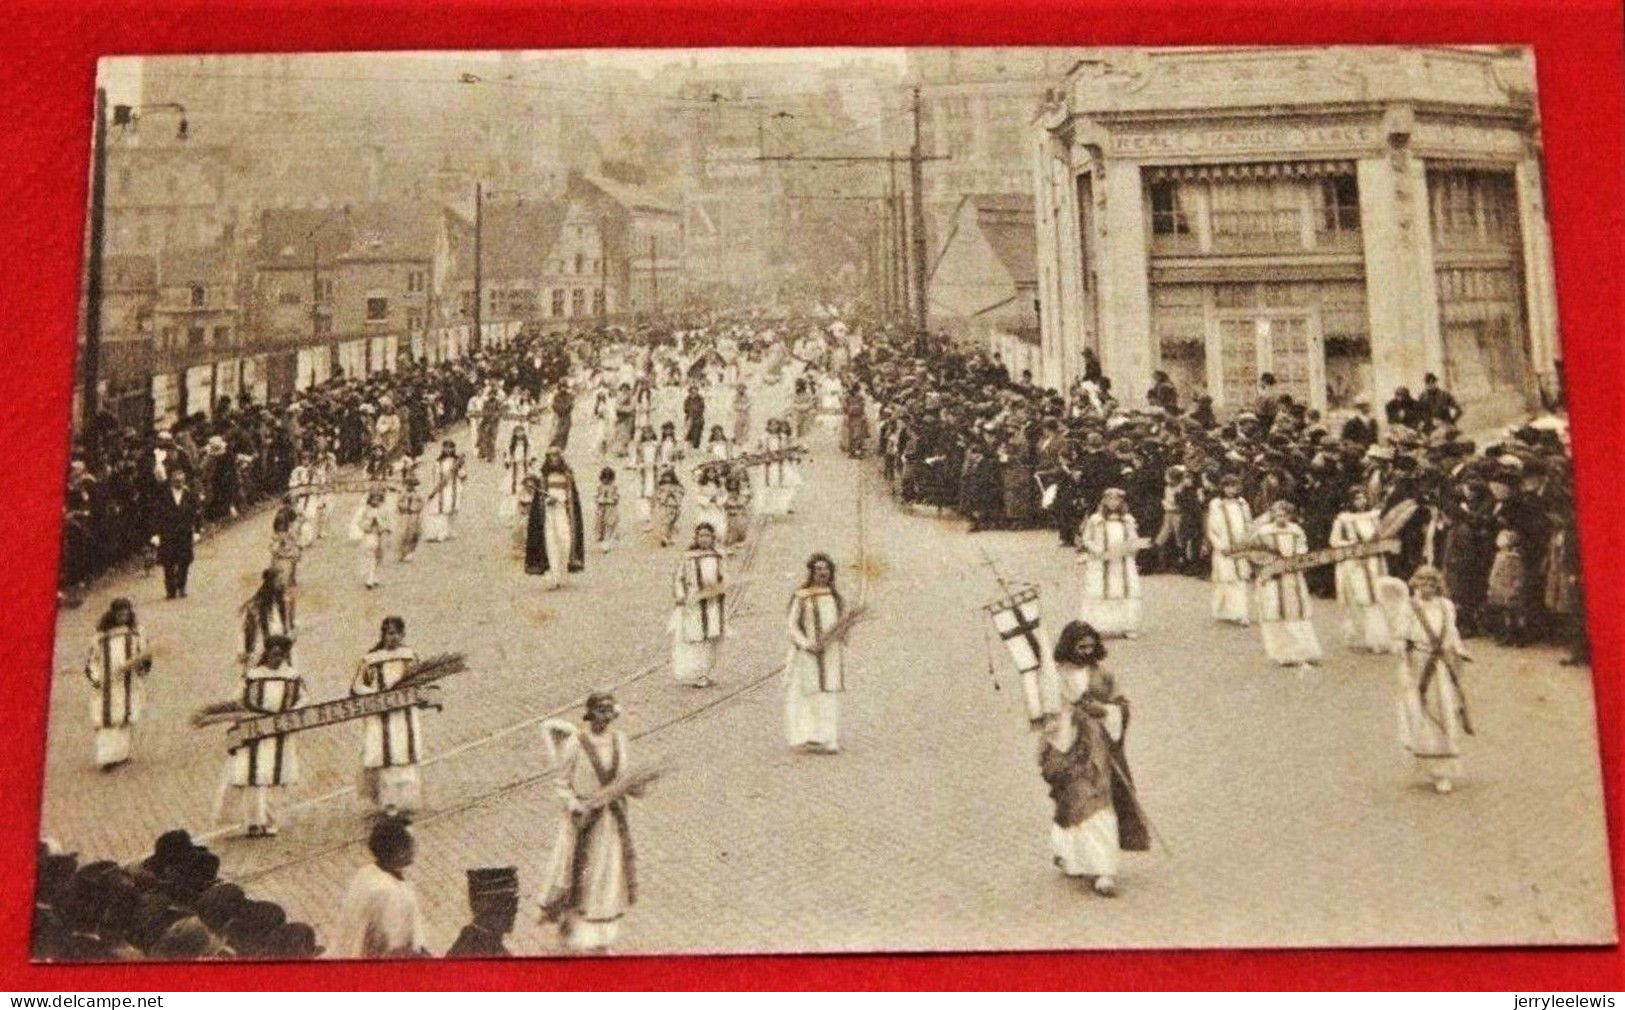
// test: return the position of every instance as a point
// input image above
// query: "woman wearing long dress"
(268, 613)
(370, 528)
(1365, 623)
(648, 461)
(555, 543)
(1082, 759)
(1432, 711)
(698, 620)
(1283, 600)
(718, 445)
(391, 742)
(592, 877)
(668, 505)
(516, 463)
(1111, 576)
(708, 501)
(815, 670)
(1230, 527)
(772, 498)
(271, 762)
(445, 494)
(117, 667)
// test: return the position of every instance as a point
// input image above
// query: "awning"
(1251, 170)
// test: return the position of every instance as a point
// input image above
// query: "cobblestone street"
(1287, 812)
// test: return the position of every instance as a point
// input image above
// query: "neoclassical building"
(1346, 218)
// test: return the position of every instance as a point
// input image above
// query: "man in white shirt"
(380, 916)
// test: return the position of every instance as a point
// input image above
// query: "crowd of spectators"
(169, 906)
(958, 432)
(242, 453)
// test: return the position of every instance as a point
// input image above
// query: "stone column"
(1125, 292)
(1539, 277)
(1400, 285)
(1052, 202)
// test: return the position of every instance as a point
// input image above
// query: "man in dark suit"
(1436, 404)
(176, 520)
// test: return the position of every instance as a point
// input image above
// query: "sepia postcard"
(535, 503)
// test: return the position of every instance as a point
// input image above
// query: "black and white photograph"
(542, 503)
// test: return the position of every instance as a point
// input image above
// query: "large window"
(377, 310)
(415, 281)
(578, 302)
(1473, 209)
(1338, 207)
(1167, 213)
(1257, 215)
(200, 296)
(558, 303)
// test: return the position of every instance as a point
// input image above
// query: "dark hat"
(219, 904)
(484, 882)
(252, 926)
(171, 847)
(292, 940)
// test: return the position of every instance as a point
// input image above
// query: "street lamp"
(124, 115)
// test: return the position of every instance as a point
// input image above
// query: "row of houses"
(353, 288)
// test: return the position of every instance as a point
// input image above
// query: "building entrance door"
(1284, 343)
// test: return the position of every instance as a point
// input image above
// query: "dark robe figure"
(694, 417)
(555, 474)
(1093, 773)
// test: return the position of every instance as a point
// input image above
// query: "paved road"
(1289, 814)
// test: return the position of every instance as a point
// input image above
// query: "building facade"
(1347, 219)
(976, 105)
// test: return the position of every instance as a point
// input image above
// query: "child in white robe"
(391, 742)
(1365, 624)
(1432, 711)
(814, 678)
(1111, 574)
(117, 666)
(1230, 526)
(698, 620)
(1283, 600)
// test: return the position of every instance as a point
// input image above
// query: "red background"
(47, 65)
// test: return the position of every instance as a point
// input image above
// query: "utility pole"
(654, 274)
(479, 220)
(93, 270)
(916, 176)
(315, 283)
(916, 219)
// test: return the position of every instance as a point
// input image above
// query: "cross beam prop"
(1269, 564)
(792, 454)
(329, 713)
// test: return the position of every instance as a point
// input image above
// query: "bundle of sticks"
(420, 674)
(632, 782)
(838, 631)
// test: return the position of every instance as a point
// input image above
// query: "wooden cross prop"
(1268, 564)
(794, 453)
(329, 713)
(418, 689)
(347, 486)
